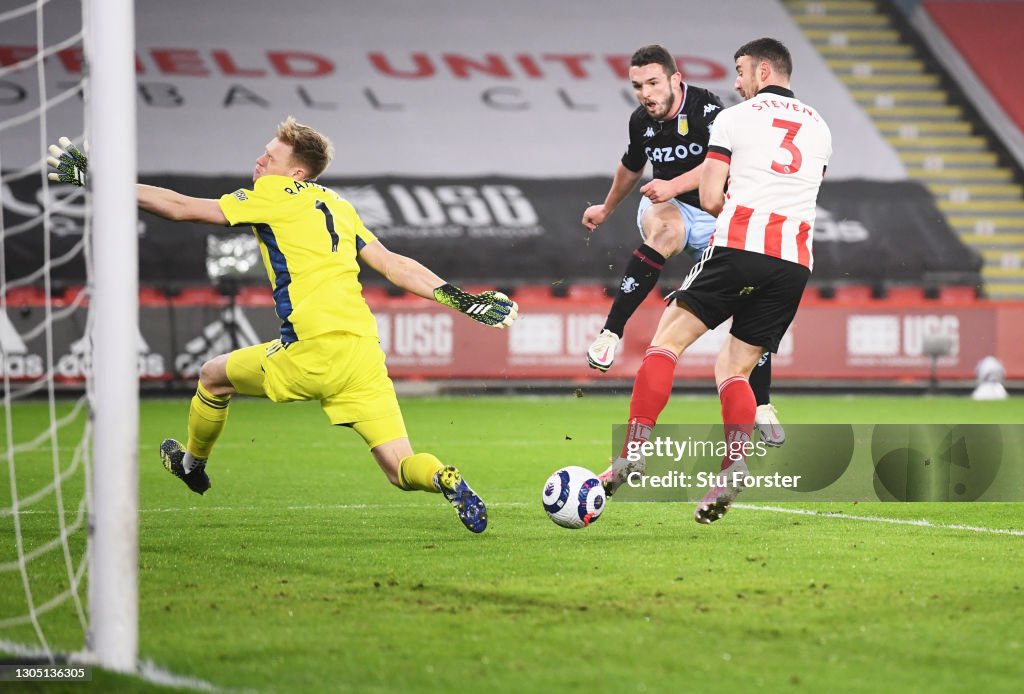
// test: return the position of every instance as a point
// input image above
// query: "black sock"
(761, 379)
(641, 276)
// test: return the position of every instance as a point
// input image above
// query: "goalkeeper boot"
(470, 507)
(715, 504)
(601, 354)
(618, 473)
(171, 455)
(766, 421)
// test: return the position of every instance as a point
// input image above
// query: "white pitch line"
(150, 672)
(146, 670)
(511, 504)
(880, 519)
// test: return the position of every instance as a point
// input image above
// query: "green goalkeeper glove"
(490, 308)
(70, 164)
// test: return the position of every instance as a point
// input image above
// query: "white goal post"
(114, 528)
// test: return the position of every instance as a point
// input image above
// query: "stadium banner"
(442, 88)
(831, 462)
(873, 341)
(509, 232)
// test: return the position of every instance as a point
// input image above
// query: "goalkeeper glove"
(70, 164)
(490, 308)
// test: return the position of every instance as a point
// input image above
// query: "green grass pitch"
(302, 570)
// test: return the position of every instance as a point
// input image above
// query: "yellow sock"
(418, 470)
(206, 417)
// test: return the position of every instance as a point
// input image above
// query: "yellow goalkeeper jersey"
(308, 237)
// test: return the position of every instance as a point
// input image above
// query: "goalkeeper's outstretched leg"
(424, 472)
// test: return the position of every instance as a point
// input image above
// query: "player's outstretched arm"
(172, 205)
(623, 183)
(490, 308)
(69, 163)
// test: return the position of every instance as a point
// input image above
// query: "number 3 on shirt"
(791, 129)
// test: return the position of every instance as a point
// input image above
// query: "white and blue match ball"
(573, 497)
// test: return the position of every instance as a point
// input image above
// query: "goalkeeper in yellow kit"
(328, 349)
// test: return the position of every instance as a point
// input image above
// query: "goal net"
(68, 498)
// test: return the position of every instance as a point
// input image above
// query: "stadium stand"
(876, 53)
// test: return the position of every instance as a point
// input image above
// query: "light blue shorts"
(699, 225)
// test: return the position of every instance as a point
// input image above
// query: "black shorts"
(760, 292)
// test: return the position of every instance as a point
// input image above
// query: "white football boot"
(766, 421)
(601, 354)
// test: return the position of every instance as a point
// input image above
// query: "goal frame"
(114, 527)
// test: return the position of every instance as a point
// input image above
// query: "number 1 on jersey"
(322, 206)
(791, 129)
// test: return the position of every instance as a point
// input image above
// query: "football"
(573, 497)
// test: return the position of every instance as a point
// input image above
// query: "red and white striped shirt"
(777, 149)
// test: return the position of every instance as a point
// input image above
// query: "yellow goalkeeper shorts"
(345, 372)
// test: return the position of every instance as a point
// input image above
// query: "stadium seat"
(397, 295)
(560, 290)
(253, 295)
(905, 294)
(375, 296)
(853, 293)
(198, 296)
(63, 296)
(26, 296)
(532, 293)
(958, 295)
(149, 297)
(477, 288)
(587, 292)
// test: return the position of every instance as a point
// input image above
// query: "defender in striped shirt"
(771, 151)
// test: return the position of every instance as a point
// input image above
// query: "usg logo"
(537, 334)
(465, 205)
(553, 334)
(888, 337)
(916, 328)
(421, 335)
